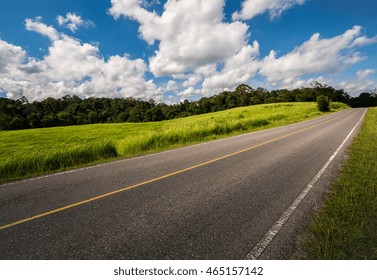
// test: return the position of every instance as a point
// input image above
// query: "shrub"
(323, 103)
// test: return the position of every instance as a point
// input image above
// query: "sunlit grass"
(345, 228)
(37, 151)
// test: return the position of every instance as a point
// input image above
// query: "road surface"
(216, 200)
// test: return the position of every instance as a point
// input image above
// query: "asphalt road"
(210, 201)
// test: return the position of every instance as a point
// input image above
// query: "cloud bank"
(197, 53)
(70, 67)
(316, 56)
(189, 33)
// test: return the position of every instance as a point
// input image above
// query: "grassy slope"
(345, 228)
(33, 152)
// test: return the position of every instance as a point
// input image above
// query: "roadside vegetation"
(345, 227)
(31, 152)
(323, 103)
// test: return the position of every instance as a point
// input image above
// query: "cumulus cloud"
(187, 93)
(71, 67)
(364, 74)
(251, 8)
(298, 68)
(73, 22)
(199, 52)
(190, 33)
(212, 79)
(237, 69)
(41, 28)
(315, 56)
(10, 56)
(364, 41)
(362, 83)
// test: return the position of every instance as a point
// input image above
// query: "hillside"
(32, 152)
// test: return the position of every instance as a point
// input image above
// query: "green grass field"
(26, 153)
(345, 228)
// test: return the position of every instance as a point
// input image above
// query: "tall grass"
(186, 134)
(37, 151)
(61, 158)
(345, 228)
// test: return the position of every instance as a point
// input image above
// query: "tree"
(35, 120)
(136, 115)
(154, 114)
(122, 117)
(50, 120)
(4, 121)
(18, 123)
(65, 118)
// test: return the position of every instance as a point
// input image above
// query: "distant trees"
(72, 110)
(365, 99)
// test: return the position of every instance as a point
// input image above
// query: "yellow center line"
(156, 179)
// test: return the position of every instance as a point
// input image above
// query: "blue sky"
(177, 49)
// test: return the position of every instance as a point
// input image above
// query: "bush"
(323, 103)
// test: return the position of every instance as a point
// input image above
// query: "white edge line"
(155, 154)
(259, 248)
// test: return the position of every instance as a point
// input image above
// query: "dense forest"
(72, 110)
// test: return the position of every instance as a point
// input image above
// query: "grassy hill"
(26, 153)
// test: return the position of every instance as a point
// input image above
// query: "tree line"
(72, 110)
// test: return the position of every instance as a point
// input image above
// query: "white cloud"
(196, 48)
(211, 79)
(71, 67)
(73, 22)
(41, 28)
(190, 37)
(364, 41)
(192, 80)
(71, 59)
(198, 75)
(237, 70)
(187, 93)
(315, 56)
(171, 86)
(190, 33)
(10, 56)
(364, 74)
(362, 83)
(251, 8)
